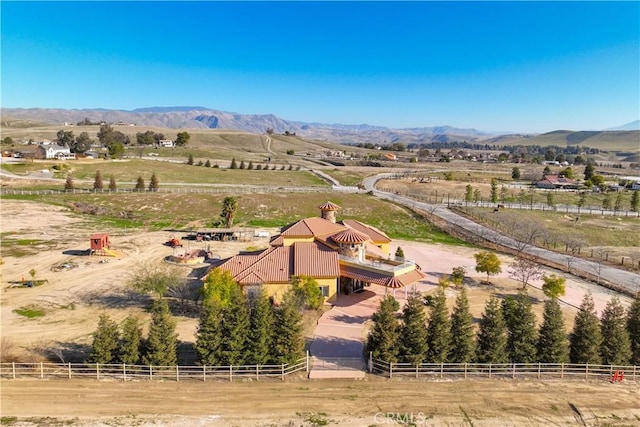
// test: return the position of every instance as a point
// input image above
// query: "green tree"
(116, 150)
(413, 332)
(550, 199)
(233, 165)
(208, 343)
(8, 141)
(457, 275)
(65, 138)
(582, 199)
(476, 195)
(463, 343)
(567, 172)
(586, 337)
(553, 286)
(68, 184)
(207, 164)
(633, 328)
(154, 184)
(487, 262)
(182, 139)
(552, 346)
(234, 329)
(190, 160)
(635, 201)
(521, 328)
(260, 333)
(468, 193)
(130, 341)
(161, 346)
(492, 335)
(82, 144)
(139, 184)
(229, 209)
(589, 171)
(145, 138)
(617, 205)
(399, 252)
(250, 167)
(606, 202)
(546, 171)
(104, 348)
(439, 330)
(616, 345)
(288, 342)
(97, 181)
(112, 183)
(515, 172)
(494, 190)
(219, 287)
(242, 166)
(307, 292)
(384, 335)
(154, 278)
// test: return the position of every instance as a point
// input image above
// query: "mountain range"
(195, 117)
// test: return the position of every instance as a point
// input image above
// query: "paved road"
(624, 279)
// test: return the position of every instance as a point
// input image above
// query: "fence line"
(172, 190)
(125, 372)
(505, 370)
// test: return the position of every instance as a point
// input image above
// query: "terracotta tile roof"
(350, 236)
(373, 250)
(376, 235)
(237, 264)
(315, 259)
(381, 278)
(277, 240)
(275, 265)
(311, 227)
(328, 206)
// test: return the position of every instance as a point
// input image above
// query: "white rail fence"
(506, 370)
(124, 372)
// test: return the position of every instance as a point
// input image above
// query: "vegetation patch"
(30, 312)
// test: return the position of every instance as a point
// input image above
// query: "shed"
(99, 242)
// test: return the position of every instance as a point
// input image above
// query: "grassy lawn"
(348, 177)
(22, 247)
(30, 312)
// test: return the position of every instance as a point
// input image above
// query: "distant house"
(635, 185)
(552, 182)
(166, 143)
(390, 156)
(50, 152)
(342, 257)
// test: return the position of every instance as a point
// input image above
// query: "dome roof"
(328, 206)
(350, 236)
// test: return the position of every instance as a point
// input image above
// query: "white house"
(55, 152)
(166, 143)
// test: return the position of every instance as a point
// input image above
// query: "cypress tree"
(463, 343)
(235, 329)
(250, 167)
(586, 337)
(68, 184)
(439, 329)
(260, 334)
(105, 341)
(162, 343)
(207, 164)
(616, 346)
(139, 184)
(288, 342)
(97, 181)
(130, 342)
(190, 159)
(413, 333)
(633, 327)
(384, 335)
(552, 337)
(112, 183)
(209, 334)
(154, 183)
(492, 335)
(521, 328)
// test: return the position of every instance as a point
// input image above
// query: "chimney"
(328, 211)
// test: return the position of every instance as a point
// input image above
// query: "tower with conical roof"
(328, 211)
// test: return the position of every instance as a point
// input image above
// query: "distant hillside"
(604, 140)
(628, 126)
(200, 118)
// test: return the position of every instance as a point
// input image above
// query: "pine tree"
(633, 327)
(233, 165)
(384, 335)
(439, 330)
(635, 201)
(260, 334)
(288, 342)
(242, 164)
(68, 184)
(105, 341)
(552, 336)
(209, 334)
(190, 159)
(494, 190)
(413, 333)
(130, 341)
(235, 329)
(154, 183)
(586, 337)
(492, 335)
(207, 164)
(250, 167)
(162, 343)
(112, 183)
(139, 184)
(616, 346)
(521, 328)
(97, 181)
(463, 343)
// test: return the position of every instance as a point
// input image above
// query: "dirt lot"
(352, 403)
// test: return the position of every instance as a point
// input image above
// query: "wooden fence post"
(177, 373)
(42, 371)
(97, 371)
(230, 373)
(13, 370)
(258, 369)
(489, 369)
(465, 370)
(124, 372)
(69, 370)
(539, 365)
(204, 373)
(390, 370)
(150, 372)
(562, 371)
(307, 370)
(586, 371)
(441, 369)
(282, 375)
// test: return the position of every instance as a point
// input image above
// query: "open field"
(370, 402)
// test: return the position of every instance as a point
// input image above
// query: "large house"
(343, 256)
(553, 182)
(54, 152)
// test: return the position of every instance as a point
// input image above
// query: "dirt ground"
(369, 402)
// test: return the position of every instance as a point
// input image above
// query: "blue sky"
(517, 66)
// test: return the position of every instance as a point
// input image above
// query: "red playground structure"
(99, 244)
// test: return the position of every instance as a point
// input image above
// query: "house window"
(324, 290)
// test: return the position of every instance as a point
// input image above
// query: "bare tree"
(184, 290)
(524, 270)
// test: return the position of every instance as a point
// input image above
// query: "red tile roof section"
(315, 260)
(376, 235)
(350, 236)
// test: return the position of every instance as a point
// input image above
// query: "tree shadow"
(124, 299)
(351, 319)
(77, 252)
